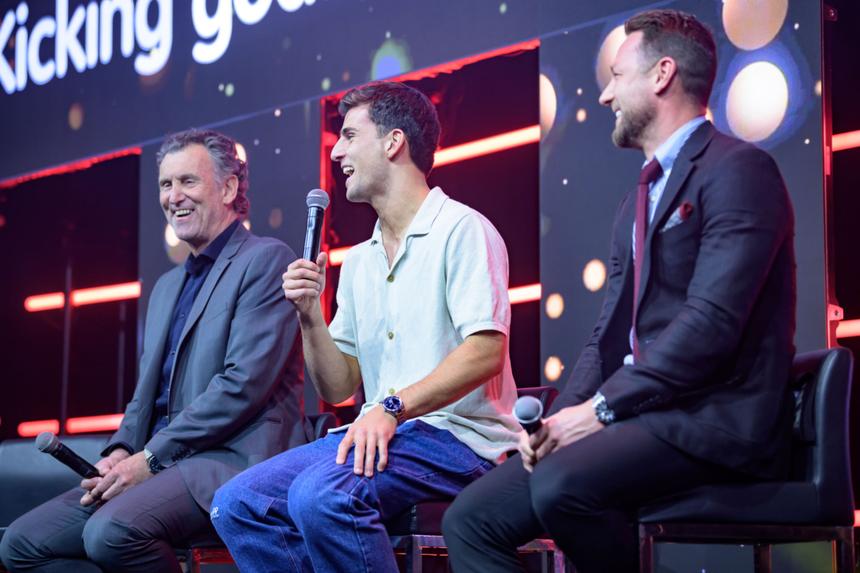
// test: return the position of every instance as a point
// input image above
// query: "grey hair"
(222, 150)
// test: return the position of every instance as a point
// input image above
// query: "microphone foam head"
(47, 442)
(317, 198)
(528, 409)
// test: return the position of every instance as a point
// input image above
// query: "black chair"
(418, 531)
(816, 502)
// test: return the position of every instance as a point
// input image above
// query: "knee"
(230, 505)
(16, 549)
(461, 521)
(556, 488)
(319, 496)
(107, 541)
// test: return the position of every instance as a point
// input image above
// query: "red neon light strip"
(106, 423)
(36, 427)
(848, 140)
(487, 145)
(856, 518)
(527, 293)
(68, 167)
(83, 296)
(48, 301)
(848, 328)
(123, 291)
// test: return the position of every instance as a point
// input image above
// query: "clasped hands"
(563, 428)
(118, 472)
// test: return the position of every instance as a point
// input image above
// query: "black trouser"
(134, 531)
(584, 496)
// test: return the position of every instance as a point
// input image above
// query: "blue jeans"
(300, 511)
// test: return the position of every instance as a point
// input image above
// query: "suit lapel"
(681, 169)
(202, 299)
(155, 339)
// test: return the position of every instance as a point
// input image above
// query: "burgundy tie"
(649, 174)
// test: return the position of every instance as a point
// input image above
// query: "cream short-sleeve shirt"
(448, 280)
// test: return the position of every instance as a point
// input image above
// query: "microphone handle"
(313, 234)
(532, 427)
(78, 464)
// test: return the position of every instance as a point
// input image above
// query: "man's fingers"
(90, 483)
(301, 265)
(383, 454)
(358, 454)
(114, 490)
(322, 261)
(343, 448)
(98, 491)
(370, 455)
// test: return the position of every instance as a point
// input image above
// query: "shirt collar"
(194, 265)
(669, 149)
(423, 220)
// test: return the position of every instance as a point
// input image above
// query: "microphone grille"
(317, 198)
(47, 442)
(528, 409)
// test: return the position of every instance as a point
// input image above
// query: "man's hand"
(103, 466)
(303, 283)
(559, 430)
(369, 434)
(124, 474)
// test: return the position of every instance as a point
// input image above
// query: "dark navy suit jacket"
(717, 311)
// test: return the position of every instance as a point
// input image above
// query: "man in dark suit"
(684, 380)
(220, 384)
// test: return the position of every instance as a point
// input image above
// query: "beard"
(630, 130)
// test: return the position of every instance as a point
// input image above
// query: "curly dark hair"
(684, 39)
(393, 105)
(222, 150)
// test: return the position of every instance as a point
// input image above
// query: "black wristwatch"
(604, 413)
(154, 465)
(394, 406)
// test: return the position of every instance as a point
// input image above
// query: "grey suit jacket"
(716, 311)
(235, 389)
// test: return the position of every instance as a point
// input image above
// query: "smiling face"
(629, 93)
(196, 204)
(361, 154)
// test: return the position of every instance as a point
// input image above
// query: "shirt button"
(391, 278)
(390, 335)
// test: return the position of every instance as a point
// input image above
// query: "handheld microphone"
(528, 411)
(317, 201)
(50, 444)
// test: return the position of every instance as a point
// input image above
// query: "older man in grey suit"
(220, 384)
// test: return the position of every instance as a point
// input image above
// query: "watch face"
(393, 404)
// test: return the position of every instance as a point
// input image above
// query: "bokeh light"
(170, 236)
(581, 115)
(594, 275)
(553, 368)
(751, 24)
(548, 104)
(177, 251)
(554, 305)
(391, 59)
(241, 153)
(757, 101)
(276, 218)
(76, 116)
(247, 224)
(606, 55)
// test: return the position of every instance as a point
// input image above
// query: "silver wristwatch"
(604, 413)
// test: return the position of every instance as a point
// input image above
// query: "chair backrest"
(821, 382)
(546, 395)
(29, 477)
(311, 427)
